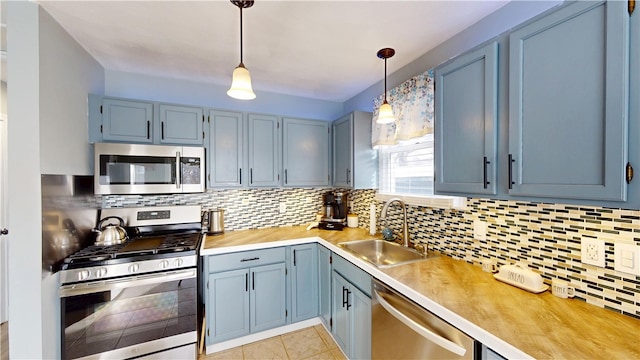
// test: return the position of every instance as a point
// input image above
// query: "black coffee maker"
(334, 211)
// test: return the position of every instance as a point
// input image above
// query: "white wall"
(67, 75)
(507, 17)
(49, 77)
(146, 87)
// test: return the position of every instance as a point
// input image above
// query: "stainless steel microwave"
(148, 169)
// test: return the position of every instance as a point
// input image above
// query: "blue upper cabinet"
(305, 152)
(264, 150)
(181, 125)
(466, 123)
(226, 149)
(127, 121)
(355, 162)
(568, 103)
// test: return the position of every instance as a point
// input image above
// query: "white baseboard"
(229, 344)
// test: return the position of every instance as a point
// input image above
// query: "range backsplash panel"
(547, 237)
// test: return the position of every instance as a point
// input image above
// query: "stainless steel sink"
(382, 253)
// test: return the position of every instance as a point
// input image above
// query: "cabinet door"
(228, 308)
(343, 152)
(466, 123)
(226, 148)
(268, 297)
(304, 282)
(264, 150)
(341, 328)
(181, 125)
(127, 121)
(568, 89)
(324, 280)
(360, 324)
(306, 152)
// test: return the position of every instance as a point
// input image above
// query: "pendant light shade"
(385, 112)
(241, 83)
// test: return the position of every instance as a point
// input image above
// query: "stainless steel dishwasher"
(402, 329)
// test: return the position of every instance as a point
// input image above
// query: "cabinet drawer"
(245, 259)
(354, 274)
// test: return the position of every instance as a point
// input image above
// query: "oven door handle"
(140, 280)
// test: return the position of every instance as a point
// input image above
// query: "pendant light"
(385, 113)
(241, 83)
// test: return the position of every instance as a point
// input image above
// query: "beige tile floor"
(309, 343)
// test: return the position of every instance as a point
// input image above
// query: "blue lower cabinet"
(324, 285)
(351, 317)
(240, 301)
(304, 282)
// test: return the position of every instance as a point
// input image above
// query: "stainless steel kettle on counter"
(215, 221)
(110, 234)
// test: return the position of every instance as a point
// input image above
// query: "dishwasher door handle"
(419, 329)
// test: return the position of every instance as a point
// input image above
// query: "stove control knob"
(83, 274)
(133, 268)
(101, 272)
(164, 264)
(178, 262)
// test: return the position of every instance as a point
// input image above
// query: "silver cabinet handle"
(178, 169)
(419, 329)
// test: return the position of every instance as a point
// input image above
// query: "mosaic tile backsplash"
(547, 237)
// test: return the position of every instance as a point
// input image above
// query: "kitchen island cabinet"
(490, 311)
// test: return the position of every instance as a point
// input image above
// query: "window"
(407, 169)
(406, 172)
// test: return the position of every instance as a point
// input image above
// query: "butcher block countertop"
(513, 322)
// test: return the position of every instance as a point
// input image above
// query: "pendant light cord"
(385, 80)
(241, 34)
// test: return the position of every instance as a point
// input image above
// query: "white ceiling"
(318, 49)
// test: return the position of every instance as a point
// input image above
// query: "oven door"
(130, 317)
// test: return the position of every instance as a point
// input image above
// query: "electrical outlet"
(627, 258)
(593, 252)
(479, 230)
(283, 207)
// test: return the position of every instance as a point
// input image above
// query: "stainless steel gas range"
(137, 298)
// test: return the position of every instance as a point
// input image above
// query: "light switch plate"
(627, 258)
(479, 230)
(283, 207)
(592, 251)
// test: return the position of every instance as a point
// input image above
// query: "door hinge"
(629, 173)
(101, 128)
(203, 135)
(631, 5)
(286, 271)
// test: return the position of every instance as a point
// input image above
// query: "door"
(341, 328)
(268, 297)
(229, 305)
(226, 146)
(324, 280)
(466, 125)
(181, 125)
(343, 152)
(127, 121)
(568, 103)
(264, 150)
(304, 282)
(306, 152)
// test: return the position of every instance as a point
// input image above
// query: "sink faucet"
(405, 226)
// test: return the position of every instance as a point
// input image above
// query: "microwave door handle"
(178, 168)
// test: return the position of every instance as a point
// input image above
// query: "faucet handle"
(420, 248)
